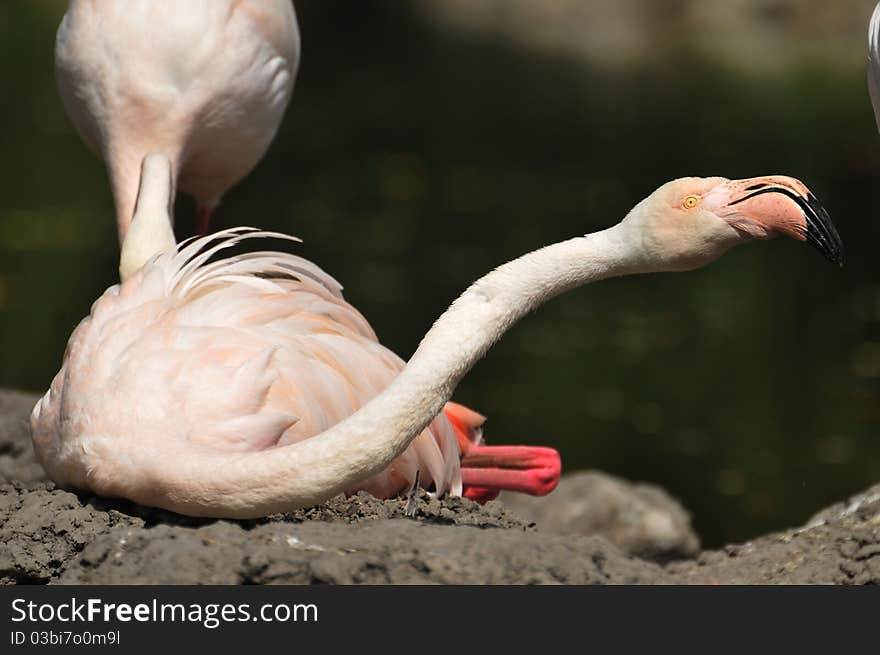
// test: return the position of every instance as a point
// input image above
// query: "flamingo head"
(689, 222)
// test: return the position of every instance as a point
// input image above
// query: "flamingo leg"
(480, 495)
(203, 220)
(486, 470)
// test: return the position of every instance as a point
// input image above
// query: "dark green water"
(413, 160)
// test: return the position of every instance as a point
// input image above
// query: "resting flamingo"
(205, 82)
(214, 388)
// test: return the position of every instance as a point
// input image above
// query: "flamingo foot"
(487, 470)
(480, 495)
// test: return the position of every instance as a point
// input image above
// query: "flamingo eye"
(690, 202)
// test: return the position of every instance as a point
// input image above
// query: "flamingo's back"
(246, 353)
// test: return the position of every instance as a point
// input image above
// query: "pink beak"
(776, 204)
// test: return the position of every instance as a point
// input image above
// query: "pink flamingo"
(205, 82)
(247, 385)
(874, 61)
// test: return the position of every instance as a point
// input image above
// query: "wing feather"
(244, 352)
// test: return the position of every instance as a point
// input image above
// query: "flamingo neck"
(150, 231)
(472, 325)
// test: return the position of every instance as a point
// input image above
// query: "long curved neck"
(311, 471)
(495, 302)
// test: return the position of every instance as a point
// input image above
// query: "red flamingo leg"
(204, 219)
(481, 495)
(533, 470)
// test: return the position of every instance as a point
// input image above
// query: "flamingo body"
(227, 361)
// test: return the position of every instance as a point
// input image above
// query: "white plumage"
(250, 352)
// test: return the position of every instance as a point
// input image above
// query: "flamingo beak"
(763, 207)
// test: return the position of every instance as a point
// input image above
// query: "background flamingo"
(874, 61)
(211, 388)
(205, 82)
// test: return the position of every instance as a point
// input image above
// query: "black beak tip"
(821, 233)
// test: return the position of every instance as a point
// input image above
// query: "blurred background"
(429, 141)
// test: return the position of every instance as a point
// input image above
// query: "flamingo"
(245, 385)
(874, 62)
(205, 82)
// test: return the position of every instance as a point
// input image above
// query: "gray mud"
(17, 459)
(52, 536)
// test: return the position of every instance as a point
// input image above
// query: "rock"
(49, 535)
(42, 527)
(859, 505)
(841, 547)
(641, 519)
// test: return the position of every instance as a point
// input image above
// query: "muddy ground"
(53, 536)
